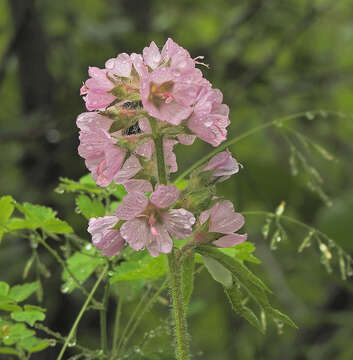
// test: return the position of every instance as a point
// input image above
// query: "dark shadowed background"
(270, 58)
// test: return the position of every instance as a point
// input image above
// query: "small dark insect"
(132, 130)
(133, 104)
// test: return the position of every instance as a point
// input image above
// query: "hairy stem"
(175, 279)
(179, 313)
(82, 311)
(158, 141)
(103, 318)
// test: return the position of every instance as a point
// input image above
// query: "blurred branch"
(14, 40)
(289, 37)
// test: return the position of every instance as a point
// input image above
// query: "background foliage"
(270, 58)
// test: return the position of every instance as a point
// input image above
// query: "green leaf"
(187, 277)
(15, 333)
(6, 210)
(8, 351)
(218, 271)
(18, 224)
(86, 184)
(7, 306)
(37, 214)
(33, 344)
(4, 288)
(233, 265)
(235, 298)
(28, 316)
(90, 208)
(57, 226)
(276, 314)
(82, 265)
(243, 252)
(145, 268)
(22, 292)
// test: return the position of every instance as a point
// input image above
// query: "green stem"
(143, 311)
(117, 325)
(158, 142)
(230, 142)
(179, 313)
(131, 319)
(103, 318)
(175, 279)
(65, 267)
(82, 311)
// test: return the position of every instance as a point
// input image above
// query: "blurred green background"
(270, 58)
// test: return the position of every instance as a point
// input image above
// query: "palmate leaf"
(145, 267)
(19, 293)
(218, 271)
(90, 207)
(37, 216)
(82, 265)
(6, 209)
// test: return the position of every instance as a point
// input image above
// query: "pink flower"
(224, 220)
(223, 166)
(97, 88)
(167, 97)
(149, 221)
(102, 157)
(170, 90)
(210, 118)
(147, 149)
(104, 238)
(120, 66)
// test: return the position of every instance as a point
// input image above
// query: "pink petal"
(223, 164)
(186, 139)
(136, 233)
(133, 204)
(161, 243)
(164, 196)
(108, 241)
(139, 65)
(151, 55)
(224, 219)
(138, 185)
(130, 168)
(179, 223)
(90, 120)
(169, 156)
(230, 240)
(120, 66)
(146, 150)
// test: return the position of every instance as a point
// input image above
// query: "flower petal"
(138, 185)
(230, 240)
(130, 168)
(161, 243)
(133, 204)
(179, 222)
(164, 196)
(223, 218)
(136, 233)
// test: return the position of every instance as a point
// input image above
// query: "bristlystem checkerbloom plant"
(142, 106)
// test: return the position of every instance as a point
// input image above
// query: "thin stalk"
(103, 318)
(82, 311)
(158, 142)
(179, 313)
(131, 319)
(117, 324)
(65, 267)
(144, 310)
(230, 142)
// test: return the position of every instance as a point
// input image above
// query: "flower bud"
(223, 166)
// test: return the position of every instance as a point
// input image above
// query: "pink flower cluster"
(123, 100)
